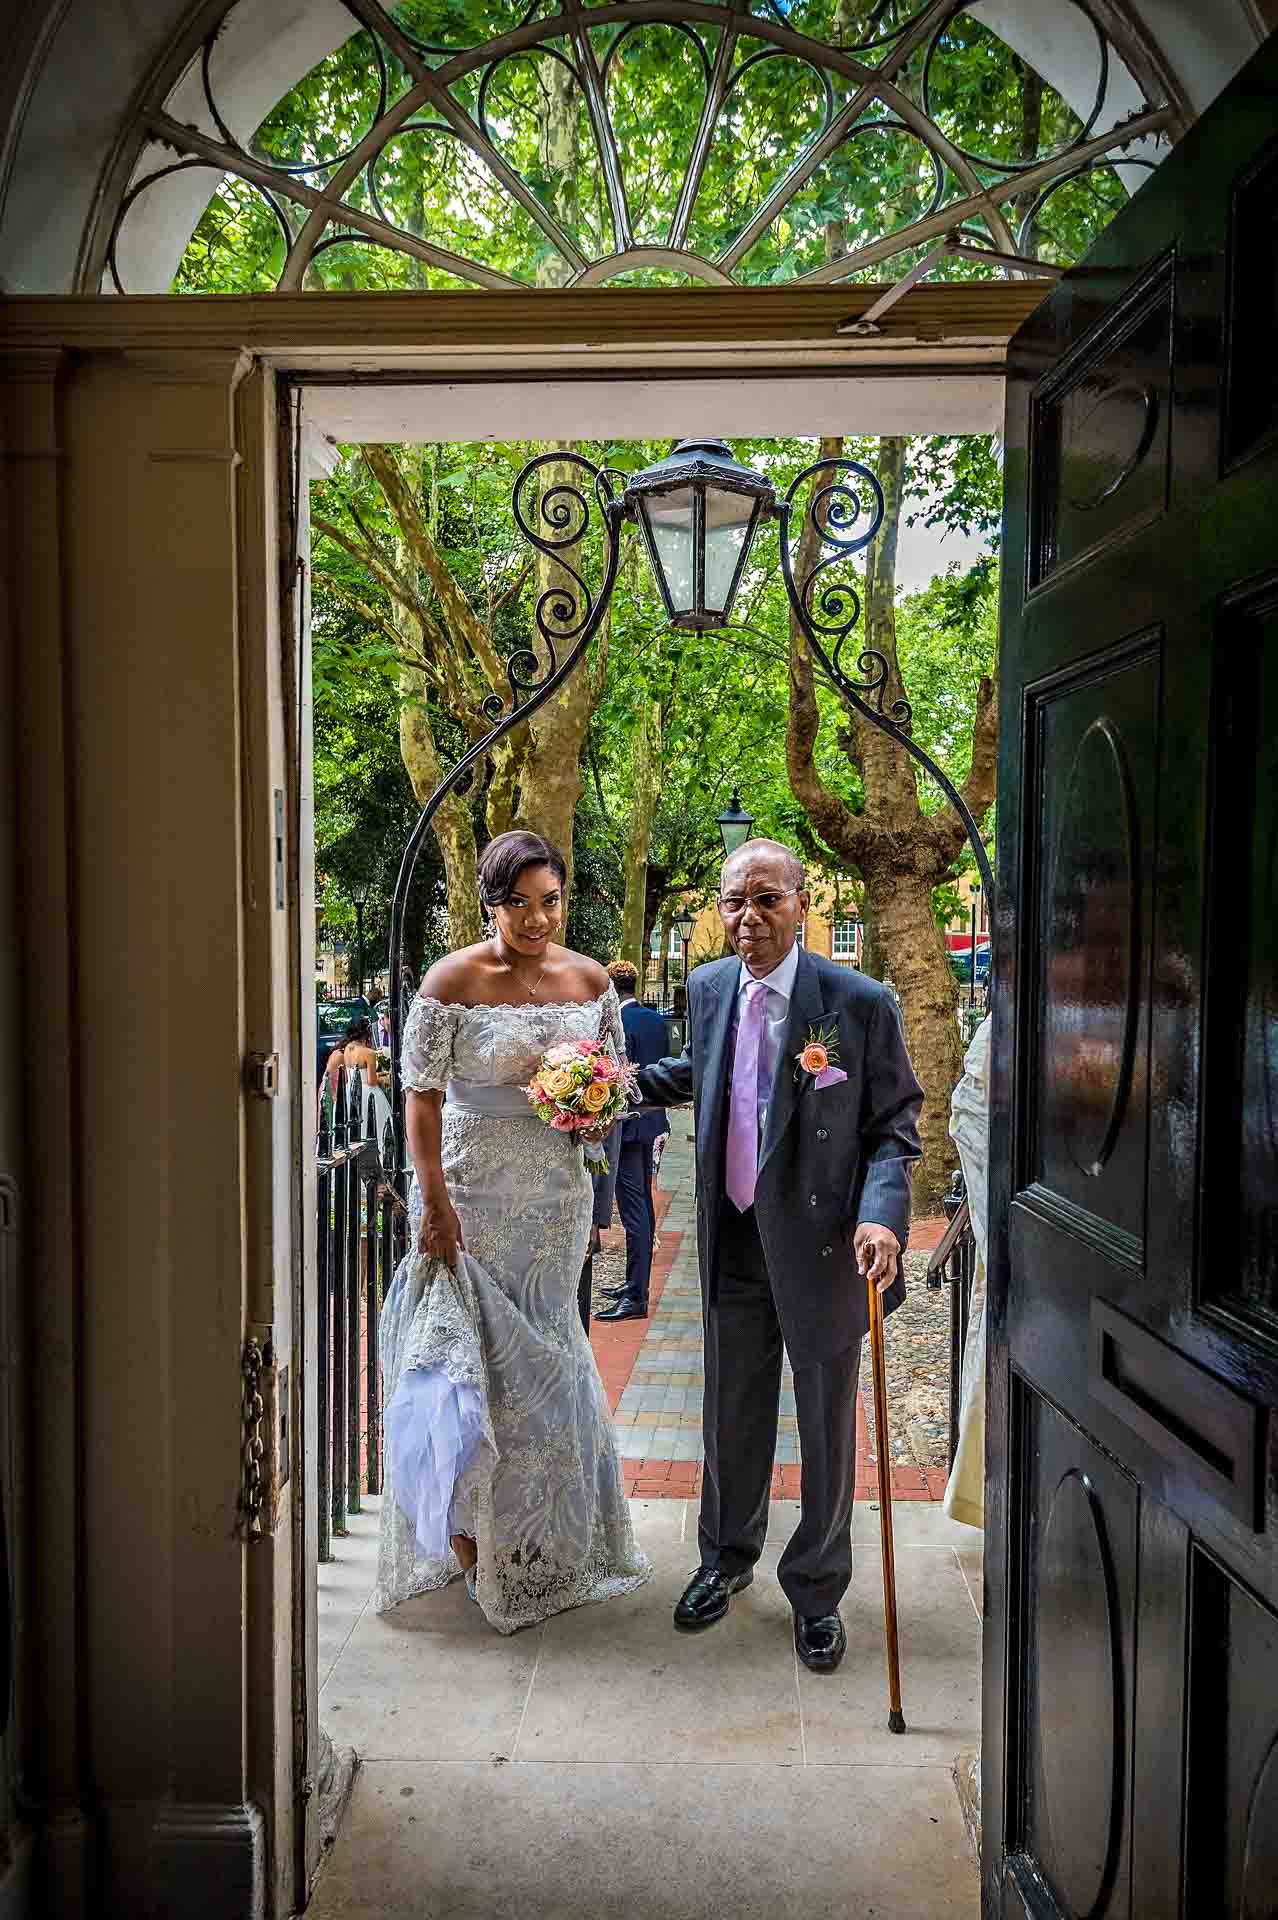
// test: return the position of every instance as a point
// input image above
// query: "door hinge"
(262, 1074)
(264, 1437)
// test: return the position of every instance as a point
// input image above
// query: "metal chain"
(249, 1525)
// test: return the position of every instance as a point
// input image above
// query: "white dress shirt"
(776, 1018)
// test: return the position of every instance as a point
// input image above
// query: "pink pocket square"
(829, 1077)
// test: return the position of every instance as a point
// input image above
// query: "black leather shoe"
(705, 1598)
(819, 1641)
(624, 1310)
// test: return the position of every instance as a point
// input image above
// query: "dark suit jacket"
(829, 1158)
(646, 1038)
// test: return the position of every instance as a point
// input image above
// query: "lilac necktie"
(743, 1113)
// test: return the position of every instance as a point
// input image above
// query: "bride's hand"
(441, 1233)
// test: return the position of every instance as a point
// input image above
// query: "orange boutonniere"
(820, 1052)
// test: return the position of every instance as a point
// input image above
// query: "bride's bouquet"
(580, 1089)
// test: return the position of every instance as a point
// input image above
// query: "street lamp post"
(971, 986)
(359, 900)
(698, 511)
(684, 924)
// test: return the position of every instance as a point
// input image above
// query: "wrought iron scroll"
(845, 512)
(567, 613)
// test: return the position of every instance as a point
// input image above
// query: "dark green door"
(1131, 1644)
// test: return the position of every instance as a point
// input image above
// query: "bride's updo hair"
(504, 859)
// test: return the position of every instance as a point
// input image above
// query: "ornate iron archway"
(844, 510)
(700, 141)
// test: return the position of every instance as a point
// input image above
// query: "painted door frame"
(156, 534)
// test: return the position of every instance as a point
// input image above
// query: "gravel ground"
(917, 1357)
(609, 1271)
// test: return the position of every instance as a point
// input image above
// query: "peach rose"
(596, 1096)
(814, 1058)
(557, 1084)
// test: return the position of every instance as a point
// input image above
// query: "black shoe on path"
(624, 1310)
(705, 1598)
(819, 1641)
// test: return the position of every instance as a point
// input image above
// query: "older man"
(803, 1192)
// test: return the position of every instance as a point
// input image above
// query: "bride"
(500, 1458)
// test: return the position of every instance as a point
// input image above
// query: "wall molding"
(357, 334)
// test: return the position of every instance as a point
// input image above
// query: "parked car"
(961, 963)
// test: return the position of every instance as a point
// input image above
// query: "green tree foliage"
(364, 805)
(722, 698)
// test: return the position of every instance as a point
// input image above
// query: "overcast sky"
(922, 552)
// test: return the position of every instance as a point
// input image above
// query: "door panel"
(1093, 783)
(1076, 1539)
(1232, 1840)
(1251, 414)
(1131, 1664)
(1239, 1281)
(1101, 432)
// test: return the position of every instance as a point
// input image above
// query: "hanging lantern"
(698, 511)
(735, 825)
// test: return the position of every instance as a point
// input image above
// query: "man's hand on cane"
(877, 1249)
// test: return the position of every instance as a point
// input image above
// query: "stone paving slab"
(603, 1767)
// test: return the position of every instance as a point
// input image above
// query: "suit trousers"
(638, 1216)
(743, 1353)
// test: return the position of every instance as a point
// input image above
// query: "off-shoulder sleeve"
(427, 1057)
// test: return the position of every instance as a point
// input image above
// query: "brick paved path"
(652, 1369)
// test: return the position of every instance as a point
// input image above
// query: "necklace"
(532, 990)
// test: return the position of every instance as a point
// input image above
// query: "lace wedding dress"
(496, 1425)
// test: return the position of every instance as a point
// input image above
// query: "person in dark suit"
(803, 1192)
(646, 1041)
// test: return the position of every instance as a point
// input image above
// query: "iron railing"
(362, 1236)
(954, 1261)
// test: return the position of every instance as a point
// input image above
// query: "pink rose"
(564, 1123)
(604, 1068)
(585, 1048)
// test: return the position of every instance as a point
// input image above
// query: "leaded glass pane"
(495, 144)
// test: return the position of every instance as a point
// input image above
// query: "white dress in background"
(970, 1130)
(496, 1424)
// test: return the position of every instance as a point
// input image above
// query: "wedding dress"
(495, 1424)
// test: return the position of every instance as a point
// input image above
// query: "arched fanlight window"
(351, 143)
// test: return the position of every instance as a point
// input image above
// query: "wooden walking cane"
(882, 1448)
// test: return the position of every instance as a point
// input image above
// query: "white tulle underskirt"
(432, 1431)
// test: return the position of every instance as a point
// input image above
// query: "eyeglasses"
(735, 903)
